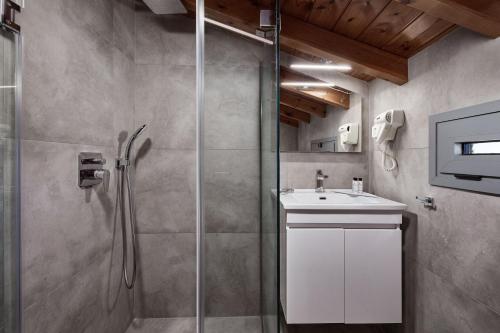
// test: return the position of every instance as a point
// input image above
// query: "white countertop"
(337, 199)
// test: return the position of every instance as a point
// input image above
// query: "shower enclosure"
(207, 237)
(206, 174)
(203, 174)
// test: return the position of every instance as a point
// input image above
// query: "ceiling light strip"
(329, 67)
(307, 84)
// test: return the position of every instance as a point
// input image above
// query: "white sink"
(307, 199)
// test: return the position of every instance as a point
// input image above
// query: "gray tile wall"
(78, 95)
(166, 179)
(451, 254)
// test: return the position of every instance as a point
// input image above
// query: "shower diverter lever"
(104, 176)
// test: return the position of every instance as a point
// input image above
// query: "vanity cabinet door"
(315, 275)
(373, 276)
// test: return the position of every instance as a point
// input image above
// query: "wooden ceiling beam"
(324, 95)
(290, 112)
(302, 104)
(289, 121)
(481, 16)
(328, 45)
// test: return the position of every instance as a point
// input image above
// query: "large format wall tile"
(64, 227)
(165, 187)
(123, 99)
(442, 307)
(229, 49)
(165, 101)
(166, 285)
(124, 26)
(67, 92)
(461, 241)
(232, 191)
(91, 301)
(232, 275)
(165, 40)
(232, 110)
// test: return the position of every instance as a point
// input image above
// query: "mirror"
(339, 130)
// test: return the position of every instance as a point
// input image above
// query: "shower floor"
(188, 325)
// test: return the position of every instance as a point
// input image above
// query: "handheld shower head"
(131, 140)
(123, 166)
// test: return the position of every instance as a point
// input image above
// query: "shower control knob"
(104, 175)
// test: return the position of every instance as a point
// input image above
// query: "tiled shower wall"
(166, 180)
(78, 96)
(452, 275)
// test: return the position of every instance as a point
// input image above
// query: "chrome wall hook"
(427, 201)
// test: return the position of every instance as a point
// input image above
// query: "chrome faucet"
(287, 190)
(320, 178)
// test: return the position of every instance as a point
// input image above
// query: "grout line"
(67, 143)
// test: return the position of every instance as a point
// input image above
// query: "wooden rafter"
(295, 114)
(302, 104)
(482, 16)
(329, 45)
(324, 95)
(289, 121)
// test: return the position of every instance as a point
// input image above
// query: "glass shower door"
(269, 183)
(9, 182)
(238, 171)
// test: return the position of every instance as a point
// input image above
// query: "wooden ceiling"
(375, 37)
(384, 24)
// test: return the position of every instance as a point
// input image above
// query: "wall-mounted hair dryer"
(386, 125)
(384, 129)
(349, 134)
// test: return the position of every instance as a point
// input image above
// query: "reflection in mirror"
(339, 131)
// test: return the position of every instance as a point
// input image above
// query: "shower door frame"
(15, 268)
(200, 155)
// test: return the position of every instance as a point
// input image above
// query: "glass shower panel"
(240, 169)
(269, 182)
(9, 182)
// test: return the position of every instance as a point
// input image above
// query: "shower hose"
(129, 281)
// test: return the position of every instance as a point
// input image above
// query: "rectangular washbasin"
(305, 199)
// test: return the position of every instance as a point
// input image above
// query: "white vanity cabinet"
(373, 275)
(315, 275)
(341, 266)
